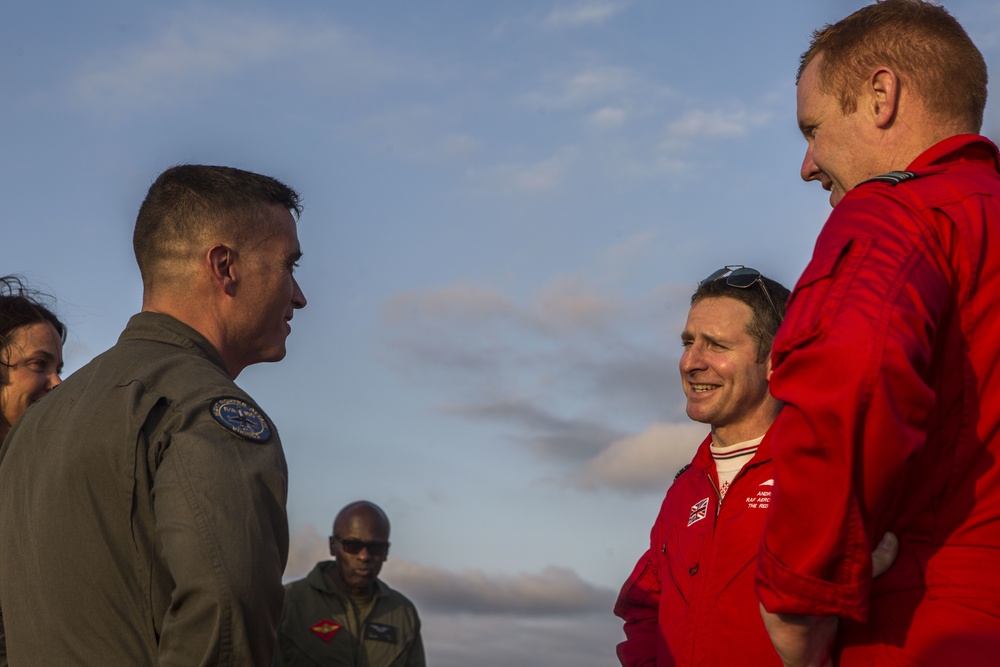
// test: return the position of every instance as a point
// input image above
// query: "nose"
(809, 171)
(54, 381)
(691, 360)
(298, 296)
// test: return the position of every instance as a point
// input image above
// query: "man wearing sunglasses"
(888, 359)
(341, 614)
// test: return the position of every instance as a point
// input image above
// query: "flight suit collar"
(166, 329)
(321, 576)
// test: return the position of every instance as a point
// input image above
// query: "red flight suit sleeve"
(639, 606)
(851, 363)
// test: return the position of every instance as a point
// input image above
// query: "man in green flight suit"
(341, 614)
(143, 500)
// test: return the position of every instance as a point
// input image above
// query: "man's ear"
(883, 89)
(221, 260)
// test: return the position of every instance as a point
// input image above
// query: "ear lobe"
(220, 261)
(883, 86)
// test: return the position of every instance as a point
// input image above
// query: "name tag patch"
(381, 633)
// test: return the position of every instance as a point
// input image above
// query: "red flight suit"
(690, 600)
(888, 362)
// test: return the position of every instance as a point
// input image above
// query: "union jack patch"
(698, 511)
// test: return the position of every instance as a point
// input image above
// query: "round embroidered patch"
(242, 419)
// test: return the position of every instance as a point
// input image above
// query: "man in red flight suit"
(888, 361)
(690, 600)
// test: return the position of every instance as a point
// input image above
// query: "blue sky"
(507, 206)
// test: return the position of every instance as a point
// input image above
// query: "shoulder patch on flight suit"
(381, 632)
(892, 177)
(326, 629)
(242, 419)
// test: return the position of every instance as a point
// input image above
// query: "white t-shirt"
(731, 459)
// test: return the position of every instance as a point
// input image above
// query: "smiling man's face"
(724, 383)
(840, 150)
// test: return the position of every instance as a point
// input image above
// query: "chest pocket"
(384, 645)
(819, 295)
(686, 546)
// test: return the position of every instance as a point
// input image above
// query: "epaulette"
(893, 177)
(681, 471)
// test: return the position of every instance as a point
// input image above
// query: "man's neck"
(203, 320)
(336, 580)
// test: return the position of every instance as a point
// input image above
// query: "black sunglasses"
(737, 275)
(376, 549)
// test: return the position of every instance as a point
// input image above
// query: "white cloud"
(568, 303)
(589, 86)
(456, 304)
(582, 14)
(645, 462)
(627, 251)
(698, 123)
(506, 641)
(189, 54)
(555, 591)
(460, 145)
(306, 547)
(565, 305)
(550, 617)
(573, 439)
(563, 372)
(543, 176)
(415, 131)
(607, 118)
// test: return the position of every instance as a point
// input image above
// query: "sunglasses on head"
(737, 275)
(376, 549)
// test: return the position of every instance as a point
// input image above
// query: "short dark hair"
(21, 306)
(188, 201)
(924, 44)
(764, 319)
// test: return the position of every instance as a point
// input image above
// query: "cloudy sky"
(507, 205)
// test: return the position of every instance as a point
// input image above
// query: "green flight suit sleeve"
(218, 501)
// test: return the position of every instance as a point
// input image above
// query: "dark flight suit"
(143, 512)
(320, 628)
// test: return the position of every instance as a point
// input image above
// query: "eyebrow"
(714, 340)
